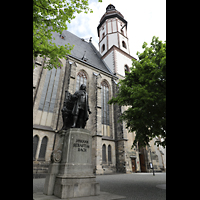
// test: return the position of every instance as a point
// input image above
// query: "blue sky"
(145, 18)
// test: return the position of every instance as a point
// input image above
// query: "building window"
(104, 103)
(35, 145)
(104, 153)
(50, 88)
(81, 79)
(48, 97)
(122, 32)
(43, 148)
(102, 48)
(124, 44)
(103, 35)
(109, 154)
(126, 69)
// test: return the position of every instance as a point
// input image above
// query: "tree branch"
(43, 7)
(160, 85)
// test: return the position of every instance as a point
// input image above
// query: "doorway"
(142, 163)
(133, 164)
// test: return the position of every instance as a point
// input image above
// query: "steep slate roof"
(80, 46)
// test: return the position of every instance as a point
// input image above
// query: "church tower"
(113, 41)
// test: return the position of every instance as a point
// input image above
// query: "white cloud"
(145, 19)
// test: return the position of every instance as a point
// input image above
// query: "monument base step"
(76, 187)
(101, 196)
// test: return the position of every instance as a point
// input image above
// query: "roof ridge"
(80, 46)
(74, 35)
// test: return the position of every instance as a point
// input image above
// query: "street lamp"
(151, 163)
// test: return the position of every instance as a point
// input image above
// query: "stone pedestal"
(75, 177)
(50, 178)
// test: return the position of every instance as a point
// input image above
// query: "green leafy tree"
(143, 91)
(50, 16)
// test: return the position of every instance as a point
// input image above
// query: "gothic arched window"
(104, 153)
(35, 144)
(109, 154)
(81, 79)
(104, 103)
(48, 97)
(49, 90)
(124, 44)
(43, 148)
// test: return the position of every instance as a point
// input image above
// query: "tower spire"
(113, 40)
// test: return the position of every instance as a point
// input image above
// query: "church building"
(100, 70)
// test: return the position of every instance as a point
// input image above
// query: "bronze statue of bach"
(76, 108)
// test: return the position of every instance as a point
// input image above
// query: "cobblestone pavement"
(136, 186)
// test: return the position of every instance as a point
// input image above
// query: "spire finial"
(110, 7)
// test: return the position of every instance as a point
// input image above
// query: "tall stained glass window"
(48, 97)
(50, 88)
(104, 103)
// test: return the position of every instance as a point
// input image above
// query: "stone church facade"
(100, 71)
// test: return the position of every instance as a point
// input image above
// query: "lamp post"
(151, 164)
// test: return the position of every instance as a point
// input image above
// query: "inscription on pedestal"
(82, 145)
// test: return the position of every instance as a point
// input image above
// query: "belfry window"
(124, 44)
(104, 103)
(81, 79)
(103, 48)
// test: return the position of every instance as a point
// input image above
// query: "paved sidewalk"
(137, 186)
